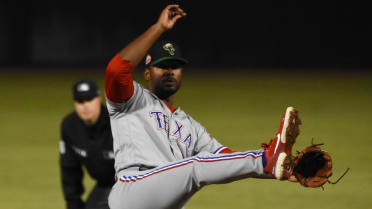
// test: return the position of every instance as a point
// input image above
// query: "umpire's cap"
(165, 54)
(85, 90)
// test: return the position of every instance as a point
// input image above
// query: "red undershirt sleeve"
(119, 81)
(226, 151)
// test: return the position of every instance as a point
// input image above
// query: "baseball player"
(162, 155)
(86, 141)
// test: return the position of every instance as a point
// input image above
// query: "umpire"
(87, 141)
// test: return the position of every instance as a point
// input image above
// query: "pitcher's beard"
(164, 91)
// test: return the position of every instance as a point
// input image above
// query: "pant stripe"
(191, 160)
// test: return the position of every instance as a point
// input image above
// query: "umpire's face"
(163, 81)
(89, 111)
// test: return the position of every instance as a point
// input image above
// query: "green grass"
(241, 110)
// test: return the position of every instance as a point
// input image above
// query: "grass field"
(241, 110)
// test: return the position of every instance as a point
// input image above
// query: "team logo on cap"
(83, 87)
(169, 47)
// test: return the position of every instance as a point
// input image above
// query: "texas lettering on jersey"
(161, 121)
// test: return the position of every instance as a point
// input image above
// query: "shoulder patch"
(62, 147)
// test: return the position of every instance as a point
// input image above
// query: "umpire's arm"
(71, 174)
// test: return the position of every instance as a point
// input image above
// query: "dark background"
(239, 34)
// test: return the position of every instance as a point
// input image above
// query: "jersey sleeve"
(206, 143)
(71, 174)
(119, 81)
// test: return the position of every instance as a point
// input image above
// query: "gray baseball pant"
(170, 186)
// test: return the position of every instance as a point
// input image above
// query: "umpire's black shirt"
(89, 146)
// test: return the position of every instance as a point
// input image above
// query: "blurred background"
(219, 34)
(248, 61)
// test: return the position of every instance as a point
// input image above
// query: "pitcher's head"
(164, 65)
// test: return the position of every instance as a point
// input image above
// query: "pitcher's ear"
(146, 73)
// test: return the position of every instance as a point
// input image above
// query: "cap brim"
(181, 60)
(84, 98)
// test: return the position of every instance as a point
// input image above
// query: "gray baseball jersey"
(148, 134)
(163, 158)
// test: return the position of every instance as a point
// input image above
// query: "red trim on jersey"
(119, 81)
(171, 108)
(226, 151)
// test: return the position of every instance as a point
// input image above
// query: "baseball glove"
(313, 167)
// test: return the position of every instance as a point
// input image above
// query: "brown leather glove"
(312, 166)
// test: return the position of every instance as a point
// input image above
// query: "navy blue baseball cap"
(165, 54)
(85, 90)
